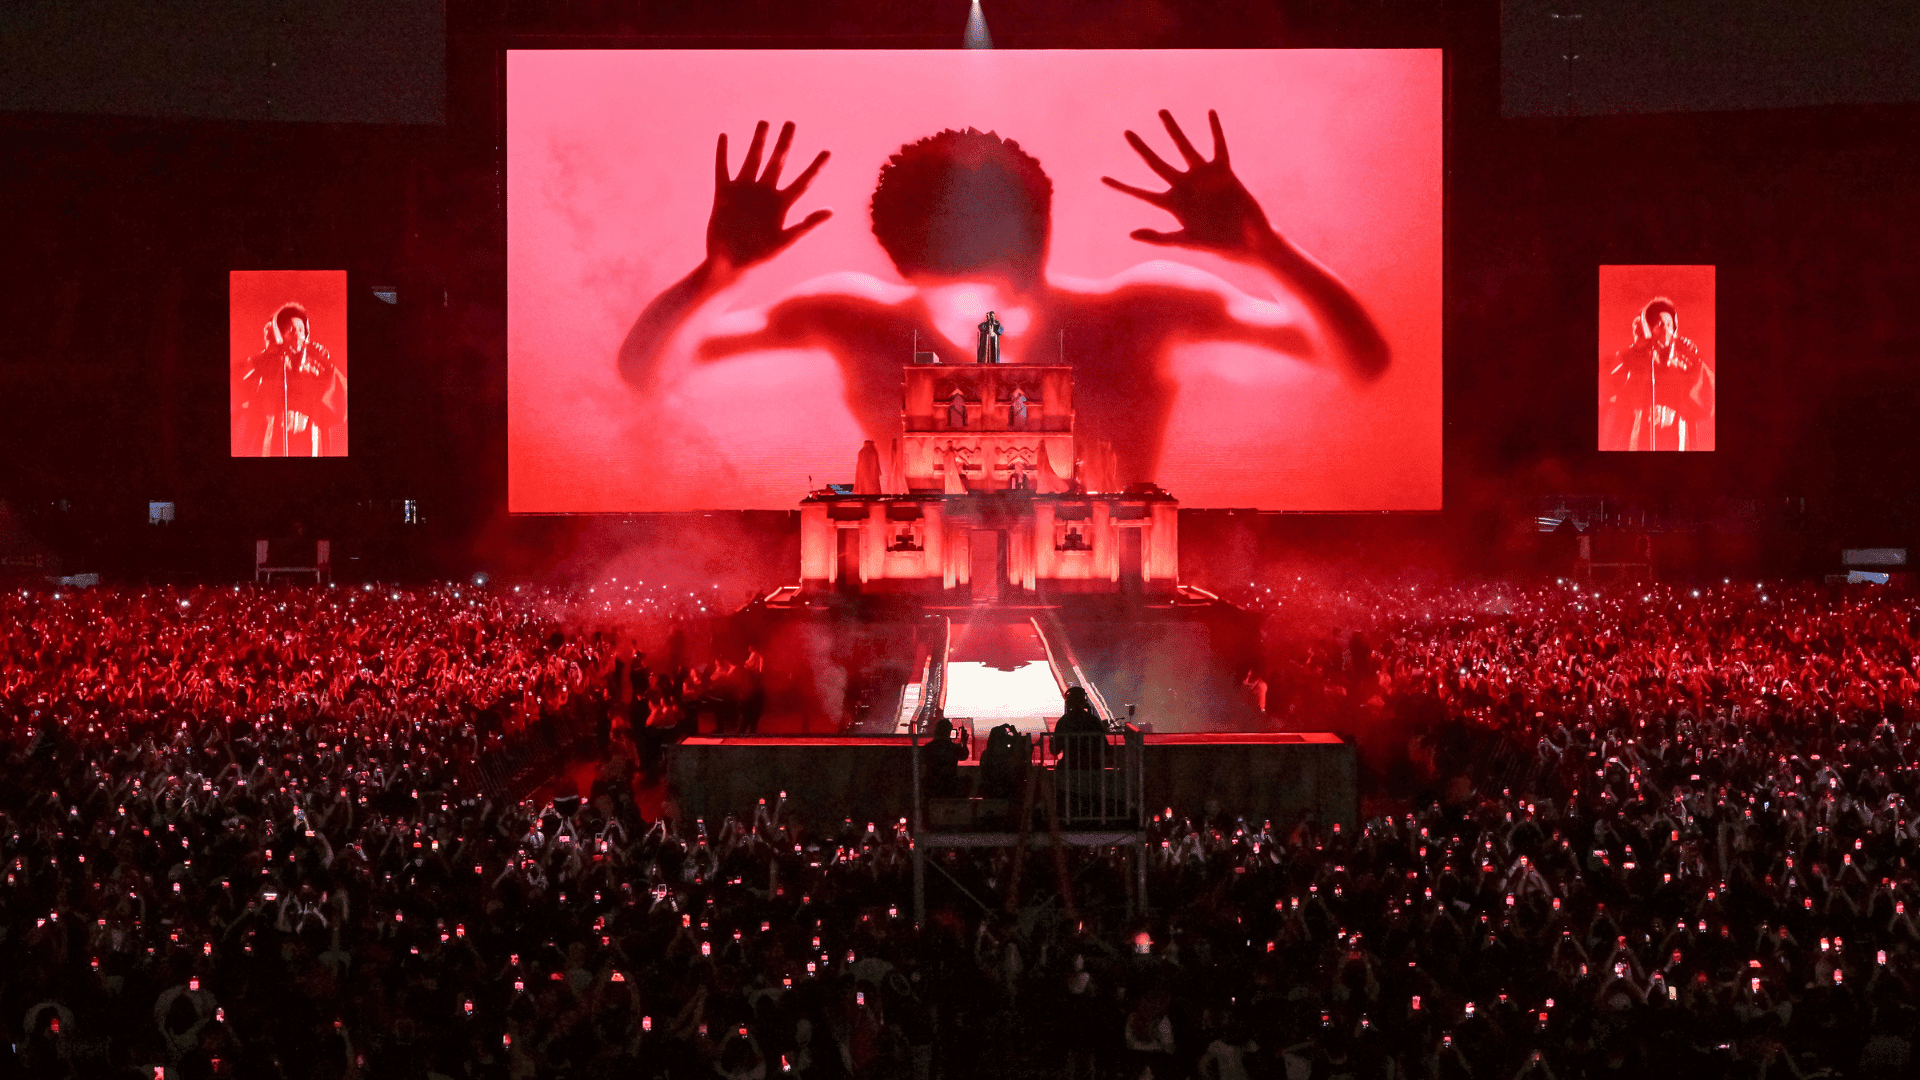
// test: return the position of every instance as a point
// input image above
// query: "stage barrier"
(1283, 777)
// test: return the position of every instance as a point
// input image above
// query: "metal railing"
(1098, 780)
(935, 684)
(1091, 792)
(523, 759)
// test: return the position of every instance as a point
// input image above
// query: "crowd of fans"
(1642, 831)
(1503, 655)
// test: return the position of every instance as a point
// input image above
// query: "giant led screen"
(718, 263)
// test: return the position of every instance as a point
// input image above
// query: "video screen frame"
(288, 363)
(1659, 370)
(611, 166)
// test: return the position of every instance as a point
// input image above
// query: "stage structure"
(986, 562)
(974, 571)
(988, 490)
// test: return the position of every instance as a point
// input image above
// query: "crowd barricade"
(529, 756)
(1502, 764)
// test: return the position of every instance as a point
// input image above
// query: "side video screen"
(1657, 367)
(287, 357)
(1238, 253)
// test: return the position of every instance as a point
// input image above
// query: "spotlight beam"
(977, 36)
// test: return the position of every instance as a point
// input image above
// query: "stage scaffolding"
(1089, 789)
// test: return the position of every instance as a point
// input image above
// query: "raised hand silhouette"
(1215, 210)
(1217, 213)
(748, 226)
(748, 223)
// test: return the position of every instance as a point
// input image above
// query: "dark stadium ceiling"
(389, 63)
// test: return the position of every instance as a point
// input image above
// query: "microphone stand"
(1653, 396)
(285, 450)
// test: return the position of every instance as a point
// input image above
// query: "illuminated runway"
(998, 674)
(1025, 697)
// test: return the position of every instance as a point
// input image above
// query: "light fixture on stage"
(977, 36)
(387, 294)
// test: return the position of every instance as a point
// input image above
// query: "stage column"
(817, 547)
(1163, 544)
(935, 525)
(1106, 542)
(873, 544)
(960, 555)
(1042, 540)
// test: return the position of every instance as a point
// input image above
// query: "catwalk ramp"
(1000, 673)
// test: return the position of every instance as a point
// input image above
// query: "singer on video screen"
(292, 395)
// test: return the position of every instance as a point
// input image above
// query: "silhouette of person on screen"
(971, 208)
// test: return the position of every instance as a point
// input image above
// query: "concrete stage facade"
(992, 561)
(988, 494)
(1283, 777)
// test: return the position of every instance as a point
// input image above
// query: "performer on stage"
(988, 351)
(292, 393)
